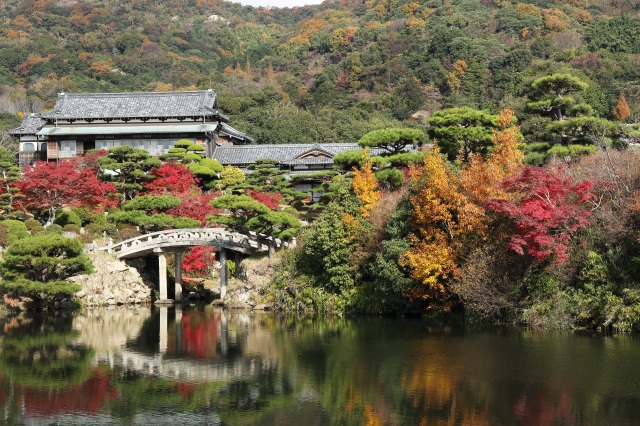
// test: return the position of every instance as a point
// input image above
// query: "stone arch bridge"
(178, 240)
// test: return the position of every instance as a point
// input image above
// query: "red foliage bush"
(171, 179)
(548, 210)
(195, 206)
(269, 199)
(199, 261)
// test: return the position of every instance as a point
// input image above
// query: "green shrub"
(559, 151)
(185, 222)
(212, 164)
(96, 231)
(67, 217)
(183, 143)
(53, 229)
(84, 215)
(152, 203)
(126, 232)
(195, 148)
(4, 235)
(33, 226)
(391, 177)
(538, 147)
(577, 150)
(39, 291)
(99, 219)
(176, 151)
(192, 157)
(534, 158)
(290, 210)
(71, 228)
(36, 266)
(17, 230)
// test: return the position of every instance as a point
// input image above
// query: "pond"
(140, 366)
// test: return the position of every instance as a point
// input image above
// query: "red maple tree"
(269, 199)
(52, 186)
(199, 261)
(548, 210)
(88, 160)
(171, 179)
(195, 205)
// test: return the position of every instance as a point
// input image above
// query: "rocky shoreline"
(113, 283)
(116, 283)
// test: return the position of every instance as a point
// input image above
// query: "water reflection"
(202, 366)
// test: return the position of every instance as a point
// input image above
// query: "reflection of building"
(153, 121)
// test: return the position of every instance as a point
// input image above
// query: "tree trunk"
(52, 216)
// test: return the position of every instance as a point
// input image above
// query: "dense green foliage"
(37, 266)
(462, 131)
(128, 168)
(393, 141)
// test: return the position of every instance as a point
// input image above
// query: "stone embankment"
(112, 283)
(247, 290)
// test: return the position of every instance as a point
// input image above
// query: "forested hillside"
(322, 73)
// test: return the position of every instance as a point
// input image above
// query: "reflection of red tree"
(85, 398)
(185, 389)
(199, 336)
(542, 409)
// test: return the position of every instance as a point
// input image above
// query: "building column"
(162, 277)
(222, 258)
(178, 295)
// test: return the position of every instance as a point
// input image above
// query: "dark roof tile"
(225, 128)
(30, 125)
(135, 105)
(248, 154)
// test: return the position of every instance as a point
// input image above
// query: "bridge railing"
(182, 237)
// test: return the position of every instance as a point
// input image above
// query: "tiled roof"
(135, 105)
(30, 125)
(225, 128)
(308, 161)
(248, 154)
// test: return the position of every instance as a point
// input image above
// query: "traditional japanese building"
(153, 121)
(300, 161)
(294, 158)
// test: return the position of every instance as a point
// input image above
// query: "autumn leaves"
(456, 207)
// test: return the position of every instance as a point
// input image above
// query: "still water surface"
(151, 366)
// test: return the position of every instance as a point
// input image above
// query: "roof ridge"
(128, 94)
(298, 145)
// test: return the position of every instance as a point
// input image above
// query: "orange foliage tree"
(448, 214)
(365, 185)
(622, 111)
(457, 74)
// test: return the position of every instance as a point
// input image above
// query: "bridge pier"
(163, 299)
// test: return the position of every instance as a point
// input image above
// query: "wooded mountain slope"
(320, 73)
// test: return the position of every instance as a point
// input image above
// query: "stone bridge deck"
(176, 240)
(179, 238)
